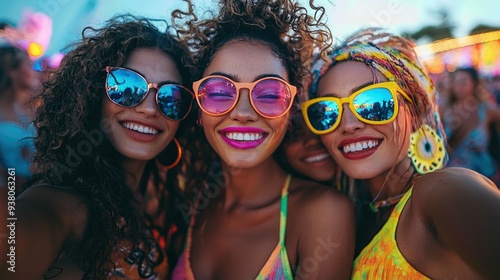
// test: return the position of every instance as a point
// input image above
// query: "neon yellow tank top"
(381, 259)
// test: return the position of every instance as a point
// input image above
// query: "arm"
(465, 211)
(494, 115)
(45, 220)
(326, 245)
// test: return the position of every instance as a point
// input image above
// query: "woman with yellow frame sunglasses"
(374, 104)
(421, 220)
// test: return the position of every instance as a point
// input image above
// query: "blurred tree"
(444, 28)
(481, 28)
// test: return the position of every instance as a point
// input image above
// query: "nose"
(243, 110)
(349, 123)
(311, 140)
(148, 105)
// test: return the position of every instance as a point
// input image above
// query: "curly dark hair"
(73, 151)
(285, 26)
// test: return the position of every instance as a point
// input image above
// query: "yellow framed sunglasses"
(374, 104)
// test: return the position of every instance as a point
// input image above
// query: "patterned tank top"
(276, 267)
(381, 258)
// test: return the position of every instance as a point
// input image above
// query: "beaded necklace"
(375, 205)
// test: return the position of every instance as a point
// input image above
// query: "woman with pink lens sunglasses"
(103, 204)
(249, 219)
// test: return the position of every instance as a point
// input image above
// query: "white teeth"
(244, 136)
(316, 158)
(352, 147)
(141, 128)
(359, 146)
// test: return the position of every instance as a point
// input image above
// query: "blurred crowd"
(21, 78)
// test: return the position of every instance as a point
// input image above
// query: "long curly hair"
(73, 151)
(289, 29)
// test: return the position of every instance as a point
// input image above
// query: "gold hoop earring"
(162, 160)
(427, 152)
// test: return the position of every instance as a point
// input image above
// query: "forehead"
(155, 65)
(246, 60)
(459, 75)
(343, 77)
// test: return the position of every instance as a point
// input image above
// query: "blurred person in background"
(495, 88)
(17, 83)
(469, 120)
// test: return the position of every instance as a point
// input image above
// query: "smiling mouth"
(238, 136)
(360, 146)
(317, 158)
(140, 128)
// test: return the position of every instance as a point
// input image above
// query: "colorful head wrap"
(394, 57)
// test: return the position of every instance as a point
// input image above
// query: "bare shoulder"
(323, 223)
(314, 197)
(446, 194)
(48, 219)
(56, 205)
(453, 182)
(461, 209)
(319, 207)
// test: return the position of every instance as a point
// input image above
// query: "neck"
(133, 173)
(251, 187)
(393, 183)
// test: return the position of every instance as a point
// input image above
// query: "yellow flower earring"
(427, 151)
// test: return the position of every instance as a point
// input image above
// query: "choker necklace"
(374, 206)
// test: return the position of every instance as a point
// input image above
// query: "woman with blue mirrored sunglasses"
(128, 88)
(104, 202)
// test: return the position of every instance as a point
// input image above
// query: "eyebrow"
(161, 83)
(236, 79)
(168, 82)
(354, 89)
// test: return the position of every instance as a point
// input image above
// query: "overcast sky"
(344, 16)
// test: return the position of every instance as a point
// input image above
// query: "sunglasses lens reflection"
(217, 95)
(271, 97)
(323, 114)
(174, 101)
(375, 104)
(125, 87)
